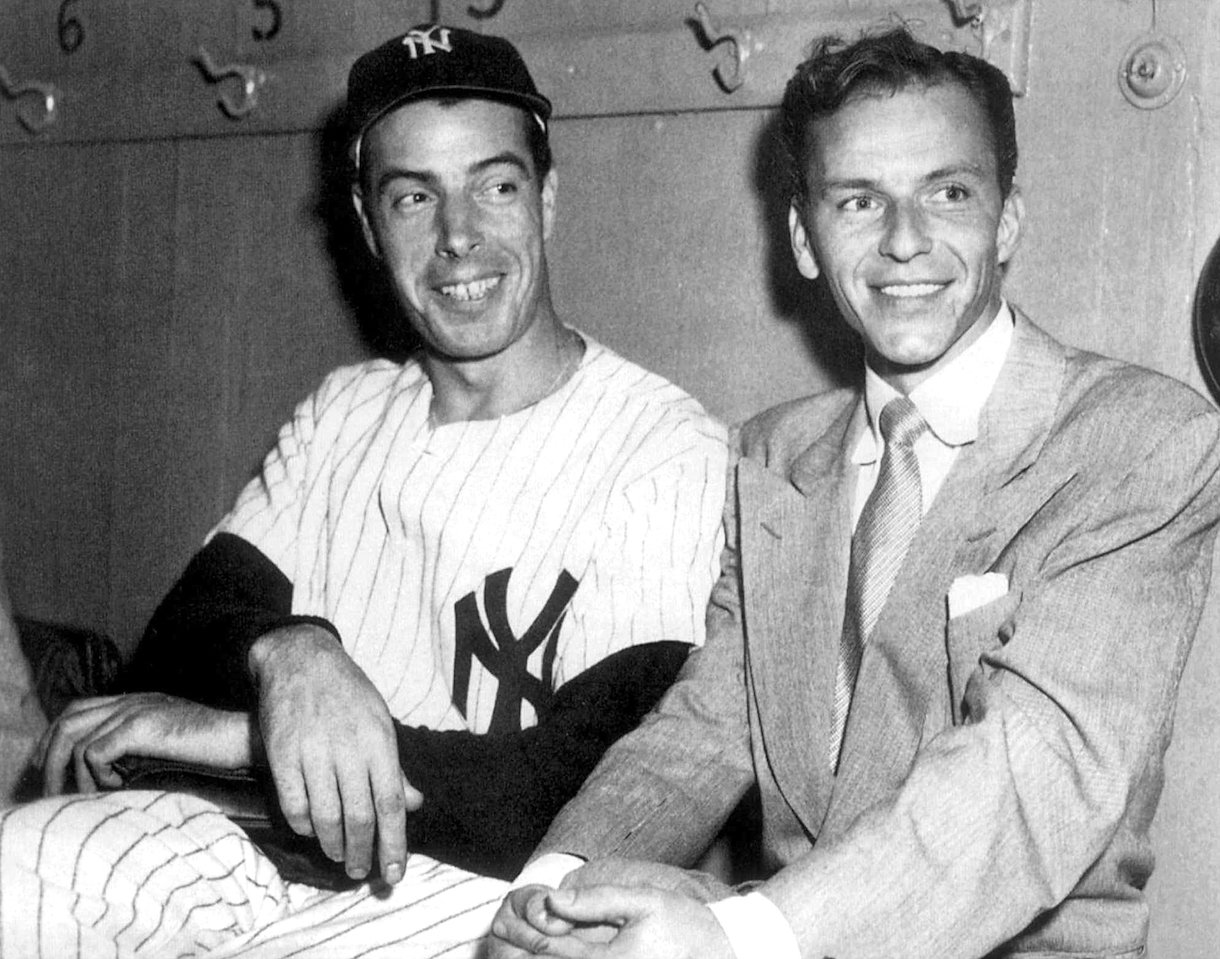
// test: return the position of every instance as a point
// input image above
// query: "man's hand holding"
(91, 734)
(606, 922)
(330, 743)
(525, 926)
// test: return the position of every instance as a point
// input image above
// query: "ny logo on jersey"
(425, 42)
(503, 654)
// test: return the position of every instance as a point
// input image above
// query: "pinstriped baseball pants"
(166, 875)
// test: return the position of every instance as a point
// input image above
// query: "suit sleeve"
(664, 791)
(1000, 818)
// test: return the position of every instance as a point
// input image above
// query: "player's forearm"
(198, 643)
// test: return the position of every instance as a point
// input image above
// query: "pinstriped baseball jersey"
(474, 567)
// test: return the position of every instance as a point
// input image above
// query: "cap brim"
(538, 107)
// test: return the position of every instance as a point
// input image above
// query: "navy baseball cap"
(432, 60)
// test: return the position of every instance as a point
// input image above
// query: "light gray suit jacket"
(1000, 769)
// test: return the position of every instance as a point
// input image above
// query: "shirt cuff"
(547, 870)
(755, 927)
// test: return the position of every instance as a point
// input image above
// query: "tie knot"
(901, 423)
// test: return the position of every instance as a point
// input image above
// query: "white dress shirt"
(950, 401)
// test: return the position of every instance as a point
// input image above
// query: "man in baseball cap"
(455, 581)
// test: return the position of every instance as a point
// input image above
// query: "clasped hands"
(613, 909)
(322, 727)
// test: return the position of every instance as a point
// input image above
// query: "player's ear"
(802, 248)
(1008, 230)
(366, 227)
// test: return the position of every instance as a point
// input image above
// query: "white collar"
(951, 399)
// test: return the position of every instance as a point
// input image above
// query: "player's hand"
(638, 873)
(647, 924)
(91, 734)
(330, 743)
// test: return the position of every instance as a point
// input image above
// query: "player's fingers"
(69, 716)
(118, 730)
(414, 798)
(359, 820)
(390, 805)
(60, 753)
(292, 795)
(55, 759)
(325, 809)
(107, 743)
(80, 770)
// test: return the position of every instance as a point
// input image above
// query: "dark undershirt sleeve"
(487, 799)
(198, 641)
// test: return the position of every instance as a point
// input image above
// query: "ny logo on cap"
(425, 42)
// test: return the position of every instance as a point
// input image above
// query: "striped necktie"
(883, 534)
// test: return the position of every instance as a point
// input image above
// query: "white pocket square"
(971, 592)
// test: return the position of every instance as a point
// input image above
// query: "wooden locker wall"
(169, 288)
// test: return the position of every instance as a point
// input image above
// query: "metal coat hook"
(48, 93)
(251, 77)
(496, 7)
(1001, 28)
(968, 11)
(735, 75)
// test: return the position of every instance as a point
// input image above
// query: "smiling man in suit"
(955, 604)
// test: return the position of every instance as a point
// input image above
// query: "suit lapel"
(976, 513)
(795, 536)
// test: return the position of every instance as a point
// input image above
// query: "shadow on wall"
(357, 275)
(808, 305)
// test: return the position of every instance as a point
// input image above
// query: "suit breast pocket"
(968, 637)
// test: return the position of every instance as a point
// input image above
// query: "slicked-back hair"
(885, 63)
(537, 140)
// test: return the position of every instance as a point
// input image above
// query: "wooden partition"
(174, 279)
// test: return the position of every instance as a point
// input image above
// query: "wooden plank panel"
(29, 43)
(658, 68)
(58, 428)
(666, 250)
(254, 320)
(294, 325)
(211, 242)
(1107, 261)
(148, 544)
